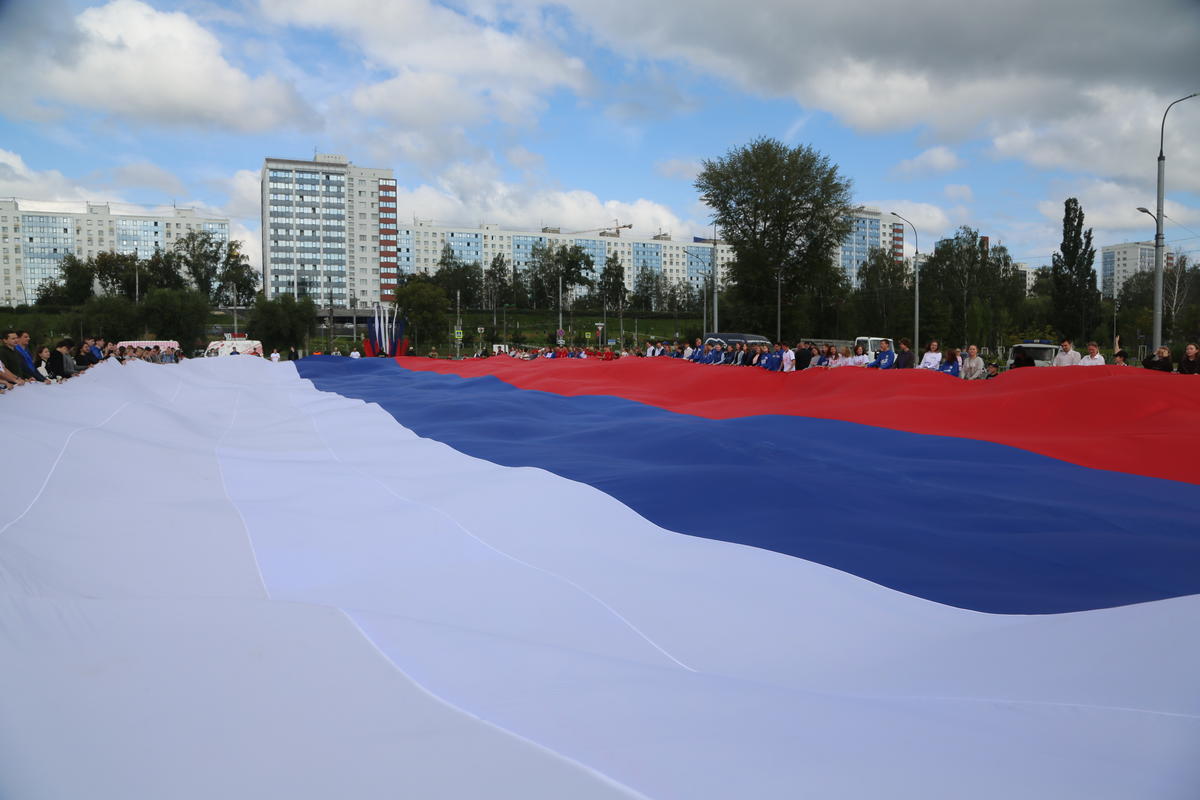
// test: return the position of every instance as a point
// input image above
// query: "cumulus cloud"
(932, 222)
(958, 71)
(130, 61)
(1117, 138)
(467, 194)
(443, 66)
(683, 169)
(143, 174)
(959, 191)
(935, 159)
(1110, 207)
(42, 189)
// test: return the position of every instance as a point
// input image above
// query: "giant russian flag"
(406, 578)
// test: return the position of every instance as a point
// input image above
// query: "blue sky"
(576, 113)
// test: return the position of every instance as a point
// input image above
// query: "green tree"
(455, 275)
(496, 289)
(237, 281)
(645, 286)
(1073, 277)
(201, 256)
(784, 210)
(424, 304)
(884, 296)
(284, 322)
(960, 271)
(117, 273)
(162, 271)
(178, 314)
(74, 285)
(111, 316)
(613, 294)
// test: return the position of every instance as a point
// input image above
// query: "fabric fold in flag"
(332, 594)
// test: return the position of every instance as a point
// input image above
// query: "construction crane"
(615, 227)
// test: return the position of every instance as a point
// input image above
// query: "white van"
(226, 347)
(871, 344)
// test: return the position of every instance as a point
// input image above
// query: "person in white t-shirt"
(355, 354)
(859, 359)
(275, 356)
(789, 359)
(933, 356)
(1066, 357)
(1093, 358)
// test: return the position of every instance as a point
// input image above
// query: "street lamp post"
(916, 283)
(1159, 244)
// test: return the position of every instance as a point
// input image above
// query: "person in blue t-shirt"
(884, 358)
(949, 363)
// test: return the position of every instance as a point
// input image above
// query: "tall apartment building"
(33, 243)
(1119, 263)
(328, 230)
(419, 246)
(870, 229)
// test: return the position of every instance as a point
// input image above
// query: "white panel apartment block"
(33, 242)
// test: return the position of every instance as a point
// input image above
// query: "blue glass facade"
(46, 239)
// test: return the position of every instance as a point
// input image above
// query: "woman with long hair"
(949, 364)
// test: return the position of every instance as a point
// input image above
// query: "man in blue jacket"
(885, 357)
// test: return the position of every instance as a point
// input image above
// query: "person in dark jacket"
(1190, 363)
(803, 355)
(60, 364)
(1021, 358)
(11, 359)
(1161, 360)
(904, 358)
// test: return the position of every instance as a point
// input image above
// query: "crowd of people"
(21, 364)
(966, 364)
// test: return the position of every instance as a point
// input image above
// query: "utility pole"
(458, 323)
(560, 327)
(1159, 242)
(716, 325)
(329, 330)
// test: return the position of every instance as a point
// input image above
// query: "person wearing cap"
(993, 371)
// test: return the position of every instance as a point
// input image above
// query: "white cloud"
(678, 168)
(446, 67)
(959, 191)
(932, 222)
(1117, 138)
(48, 190)
(127, 60)
(523, 158)
(1110, 207)
(957, 71)
(936, 159)
(149, 176)
(468, 194)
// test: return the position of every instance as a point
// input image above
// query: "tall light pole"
(713, 266)
(1159, 243)
(916, 283)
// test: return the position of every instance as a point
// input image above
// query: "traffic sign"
(458, 333)
(561, 342)
(561, 333)
(479, 330)
(588, 334)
